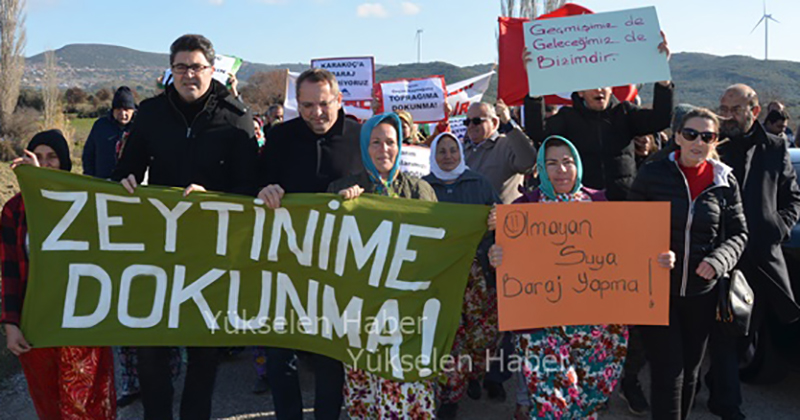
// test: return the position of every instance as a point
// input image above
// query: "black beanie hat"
(57, 142)
(123, 98)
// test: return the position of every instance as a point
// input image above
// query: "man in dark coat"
(304, 155)
(771, 200)
(197, 136)
(602, 129)
(100, 150)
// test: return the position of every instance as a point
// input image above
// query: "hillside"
(699, 78)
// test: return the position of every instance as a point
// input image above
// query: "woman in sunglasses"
(703, 194)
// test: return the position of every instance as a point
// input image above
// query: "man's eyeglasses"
(691, 135)
(474, 121)
(183, 68)
(733, 110)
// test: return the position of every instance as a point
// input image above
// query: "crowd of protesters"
(728, 177)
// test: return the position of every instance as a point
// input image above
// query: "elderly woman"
(368, 396)
(64, 382)
(705, 200)
(590, 357)
(477, 333)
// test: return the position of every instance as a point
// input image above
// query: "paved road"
(234, 401)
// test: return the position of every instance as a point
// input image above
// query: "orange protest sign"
(582, 264)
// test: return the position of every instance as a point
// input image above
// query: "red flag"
(512, 79)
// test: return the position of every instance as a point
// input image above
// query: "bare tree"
(54, 116)
(12, 57)
(50, 90)
(264, 89)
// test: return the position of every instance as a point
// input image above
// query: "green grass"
(82, 127)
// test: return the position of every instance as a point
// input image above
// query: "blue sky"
(456, 31)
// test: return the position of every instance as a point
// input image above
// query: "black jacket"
(303, 162)
(771, 201)
(100, 151)
(217, 150)
(695, 224)
(604, 139)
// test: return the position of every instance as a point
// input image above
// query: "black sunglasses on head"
(691, 135)
(474, 121)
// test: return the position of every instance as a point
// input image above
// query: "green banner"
(374, 282)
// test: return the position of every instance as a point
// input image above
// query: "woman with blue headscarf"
(369, 396)
(589, 357)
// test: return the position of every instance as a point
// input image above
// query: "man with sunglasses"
(195, 135)
(502, 158)
(771, 200)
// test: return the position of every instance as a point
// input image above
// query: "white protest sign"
(457, 127)
(423, 98)
(415, 160)
(359, 109)
(594, 50)
(355, 75)
(290, 97)
(223, 65)
(461, 95)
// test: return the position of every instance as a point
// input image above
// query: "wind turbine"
(419, 43)
(765, 18)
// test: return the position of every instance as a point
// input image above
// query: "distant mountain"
(699, 78)
(102, 56)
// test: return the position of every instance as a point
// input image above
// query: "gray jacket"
(504, 160)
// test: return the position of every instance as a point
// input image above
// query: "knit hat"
(123, 98)
(55, 139)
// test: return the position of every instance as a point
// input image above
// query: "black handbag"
(736, 298)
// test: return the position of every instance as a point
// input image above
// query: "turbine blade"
(773, 19)
(759, 23)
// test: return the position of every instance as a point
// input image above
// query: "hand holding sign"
(594, 50)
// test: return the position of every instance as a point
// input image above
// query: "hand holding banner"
(594, 50)
(374, 282)
(582, 264)
(424, 98)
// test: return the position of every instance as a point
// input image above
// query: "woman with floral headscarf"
(588, 358)
(368, 396)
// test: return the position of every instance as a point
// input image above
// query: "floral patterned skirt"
(571, 371)
(369, 396)
(476, 335)
(71, 382)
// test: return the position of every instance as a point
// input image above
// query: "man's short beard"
(732, 128)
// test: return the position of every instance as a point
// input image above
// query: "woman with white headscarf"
(453, 182)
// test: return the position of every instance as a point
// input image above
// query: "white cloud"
(368, 10)
(216, 2)
(409, 8)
